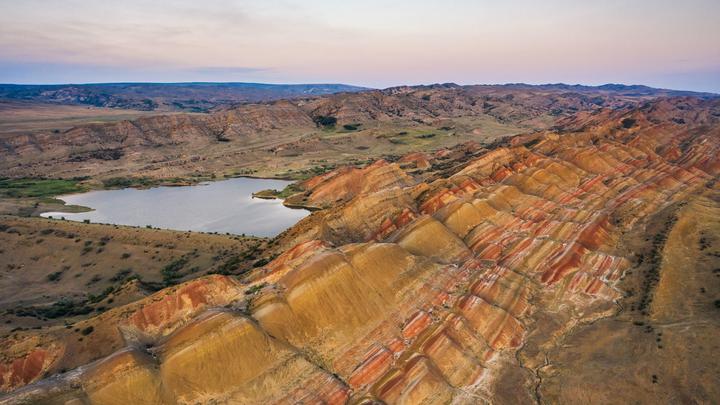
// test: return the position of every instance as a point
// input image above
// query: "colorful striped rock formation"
(443, 285)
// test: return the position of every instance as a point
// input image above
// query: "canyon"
(571, 254)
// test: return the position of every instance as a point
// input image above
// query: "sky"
(374, 43)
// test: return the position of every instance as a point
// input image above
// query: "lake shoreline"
(223, 206)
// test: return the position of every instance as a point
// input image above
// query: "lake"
(221, 206)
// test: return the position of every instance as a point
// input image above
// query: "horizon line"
(362, 86)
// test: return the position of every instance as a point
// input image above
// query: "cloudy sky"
(377, 43)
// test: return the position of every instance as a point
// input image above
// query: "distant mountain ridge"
(627, 89)
(187, 97)
(206, 96)
(631, 90)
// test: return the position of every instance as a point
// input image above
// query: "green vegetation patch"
(289, 190)
(531, 143)
(94, 299)
(628, 123)
(121, 275)
(325, 121)
(37, 188)
(229, 266)
(62, 308)
(254, 289)
(124, 182)
(172, 272)
(304, 174)
(425, 136)
(144, 182)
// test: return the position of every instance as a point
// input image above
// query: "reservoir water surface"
(221, 206)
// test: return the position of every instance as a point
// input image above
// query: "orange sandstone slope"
(420, 285)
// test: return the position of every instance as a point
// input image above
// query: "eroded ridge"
(420, 289)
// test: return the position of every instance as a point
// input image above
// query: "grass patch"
(37, 188)
(145, 182)
(289, 190)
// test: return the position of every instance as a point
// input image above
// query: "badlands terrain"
(470, 244)
(302, 137)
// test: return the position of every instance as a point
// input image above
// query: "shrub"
(252, 290)
(87, 331)
(62, 308)
(97, 298)
(261, 262)
(171, 272)
(325, 121)
(425, 136)
(531, 143)
(54, 276)
(124, 182)
(121, 275)
(628, 123)
(229, 266)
